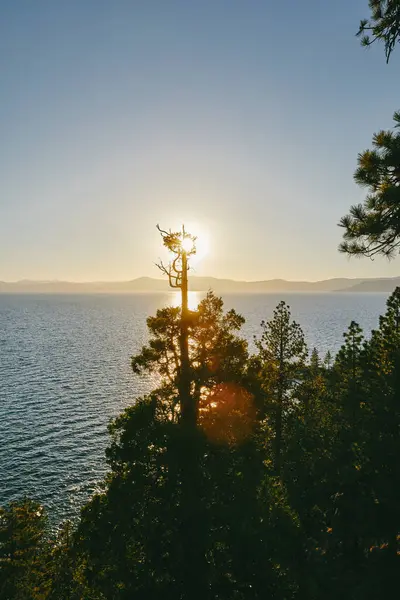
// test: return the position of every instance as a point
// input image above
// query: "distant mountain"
(142, 284)
(375, 285)
(271, 285)
(148, 284)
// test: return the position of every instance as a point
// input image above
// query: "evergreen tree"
(317, 517)
(328, 360)
(280, 360)
(130, 537)
(23, 529)
(315, 362)
(349, 508)
(383, 25)
(383, 364)
(374, 227)
(63, 573)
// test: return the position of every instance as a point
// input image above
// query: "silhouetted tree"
(130, 537)
(382, 25)
(281, 358)
(314, 516)
(383, 377)
(315, 361)
(374, 227)
(182, 246)
(328, 360)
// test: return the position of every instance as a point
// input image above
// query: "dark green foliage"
(22, 548)
(318, 521)
(131, 537)
(383, 423)
(280, 362)
(34, 563)
(216, 353)
(315, 362)
(383, 25)
(128, 536)
(328, 360)
(374, 227)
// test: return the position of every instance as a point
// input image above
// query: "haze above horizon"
(118, 116)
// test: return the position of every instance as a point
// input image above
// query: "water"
(65, 372)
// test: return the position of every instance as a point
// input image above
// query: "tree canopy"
(382, 25)
(373, 227)
(297, 478)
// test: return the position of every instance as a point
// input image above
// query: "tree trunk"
(194, 571)
(279, 413)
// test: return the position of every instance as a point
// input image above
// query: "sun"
(202, 242)
(187, 244)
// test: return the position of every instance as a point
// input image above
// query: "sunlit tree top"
(181, 245)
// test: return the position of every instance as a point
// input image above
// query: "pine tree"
(383, 25)
(130, 537)
(315, 362)
(281, 358)
(23, 529)
(384, 426)
(347, 513)
(328, 360)
(374, 227)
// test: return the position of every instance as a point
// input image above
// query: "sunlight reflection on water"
(193, 299)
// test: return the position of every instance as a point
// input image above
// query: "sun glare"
(202, 244)
(187, 244)
(202, 248)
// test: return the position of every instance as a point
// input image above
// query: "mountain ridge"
(196, 283)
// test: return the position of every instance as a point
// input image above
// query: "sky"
(241, 119)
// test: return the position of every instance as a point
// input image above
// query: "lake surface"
(65, 372)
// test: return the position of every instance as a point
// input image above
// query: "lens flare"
(227, 414)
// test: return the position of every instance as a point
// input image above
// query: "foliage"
(383, 25)
(318, 520)
(217, 354)
(280, 361)
(22, 537)
(374, 227)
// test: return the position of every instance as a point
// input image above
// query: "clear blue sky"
(243, 117)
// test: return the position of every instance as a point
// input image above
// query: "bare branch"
(162, 231)
(173, 279)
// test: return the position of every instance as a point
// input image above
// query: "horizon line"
(113, 281)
